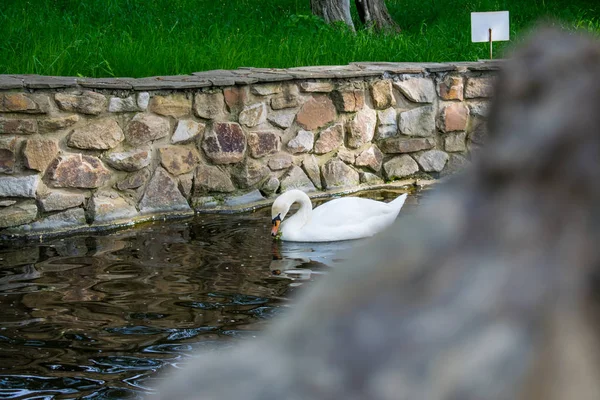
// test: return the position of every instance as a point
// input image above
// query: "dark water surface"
(98, 316)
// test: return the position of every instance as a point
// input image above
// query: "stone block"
(417, 90)
(102, 134)
(312, 170)
(16, 126)
(402, 145)
(253, 115)
(18, 214)
(270, 186)
(433, 160)
(451, 88)
(330, 139)
(287, 99)
(86, 102)
(280, 161)
(302, 143)
(174, 105)
(400, 167)
(371, 158)
(263, 143)
(419, 121)
(163, 196)
(266, 89)
(316, 113)
(122, 105)
(454, 117)
(131, 160)
(210, 178)
(455, 142)
(250, 173)
(57, 201)
(361, 129)
(187, 130)
(108, 207)
(7, 154)
(295, 178)
(179, 160)
(78, 171)
(282, 119)
(316, 87)
(370, 179)
(38, 154)
(336, 174)
(348, 101)
(225, 143)
(209, 105)
(57, 123)
(381, 92)
(19, 103)
(19, 186)
(479, 87)
(145, 128)
(134, 180)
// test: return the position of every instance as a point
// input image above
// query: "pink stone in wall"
(454, 117)
(316, 113)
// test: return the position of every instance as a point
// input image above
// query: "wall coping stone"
(242, 76)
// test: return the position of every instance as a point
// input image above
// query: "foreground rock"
(488, 292)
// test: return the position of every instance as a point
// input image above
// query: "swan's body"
(340, 219)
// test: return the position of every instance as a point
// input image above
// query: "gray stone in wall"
(210, 178)
(371, 157)
(225, 143)
(295, 178)
(248, 198)
(253, 115)
(479, 108)
(179, 160)
(17, 126)
(403, 145)
(419, 121)
(187, 130)
(478, 131)
(8, 147)
(57, 123)
(209, 105)
(103, 134)
(72, 218)
(433, 160)
(282, 119)
(388, 123)
(6, 203)
(186, 184)
(144, 128)
(369, 178)
(280, 161)
(86, 102)
(330, 139)
(479, 87)
(302, 143)
(271, 185)
(19, 186)
(361, 129)
(143, 99)
(250, 173)
(337, 174)
(78, 171)
(108, 207)
(121, 105)
(287, 99)
(455, 142)
(131, 160)
(456, 163)
(418, 90)
(18, 214)
(311, 167)
(162, 195)
(346, 155)
(134, 180)
(400, 167)
(348, 100)
(56, 201)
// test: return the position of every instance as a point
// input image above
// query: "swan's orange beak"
(275, 227)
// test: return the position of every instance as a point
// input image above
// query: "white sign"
(482, 22)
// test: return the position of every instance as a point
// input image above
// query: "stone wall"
(78, 154)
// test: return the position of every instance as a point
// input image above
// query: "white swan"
(340, 219)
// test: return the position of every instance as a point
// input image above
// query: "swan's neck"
(302, 216)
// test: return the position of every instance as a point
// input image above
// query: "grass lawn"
(136, 38)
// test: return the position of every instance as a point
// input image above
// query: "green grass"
(135, 38)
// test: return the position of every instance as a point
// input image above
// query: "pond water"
(98, 316)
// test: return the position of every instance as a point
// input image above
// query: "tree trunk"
(374, 14)
(333, 11)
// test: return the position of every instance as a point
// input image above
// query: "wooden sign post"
(486, 24)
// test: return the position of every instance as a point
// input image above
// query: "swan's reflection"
(301, 260)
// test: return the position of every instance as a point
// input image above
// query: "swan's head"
(279, 210)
